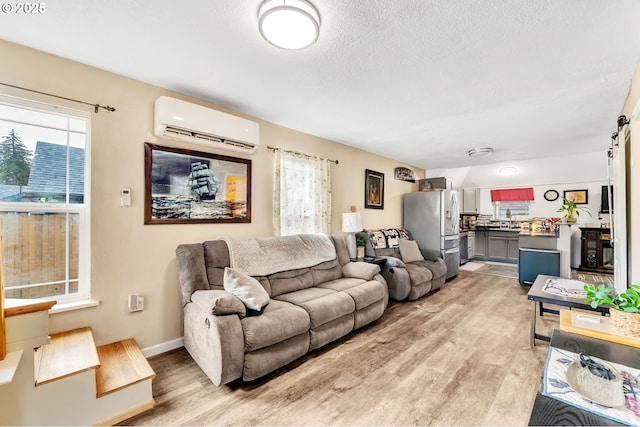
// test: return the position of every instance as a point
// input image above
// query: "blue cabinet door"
(532, 262)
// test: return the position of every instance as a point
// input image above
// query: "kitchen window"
(44, 201)
(511, 201)
(506, 210)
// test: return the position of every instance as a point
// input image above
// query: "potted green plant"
(624, 307)
(572, 210)
(360, 243)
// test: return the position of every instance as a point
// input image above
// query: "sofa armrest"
(397, 277)
(430, 254)
(394, 262)
(219, 302)
(360, 270)
(216, 343)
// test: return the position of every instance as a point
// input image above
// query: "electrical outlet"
(135, 302)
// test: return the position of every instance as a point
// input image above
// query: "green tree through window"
(15, 160)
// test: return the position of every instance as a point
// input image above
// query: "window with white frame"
(44, 201)
(507, 210)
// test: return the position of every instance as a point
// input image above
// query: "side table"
(381, 261)
(537, 295)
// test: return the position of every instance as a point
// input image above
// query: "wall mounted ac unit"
(189, 122)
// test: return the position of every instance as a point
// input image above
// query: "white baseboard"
(163, 347)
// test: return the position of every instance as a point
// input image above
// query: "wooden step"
(67, 353)
(121, 364)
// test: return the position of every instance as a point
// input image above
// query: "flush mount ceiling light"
(289, 24)
(507, 171)
(479, 152)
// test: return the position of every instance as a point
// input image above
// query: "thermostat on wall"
(125, 197)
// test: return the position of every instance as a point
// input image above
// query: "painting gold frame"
(579, 197)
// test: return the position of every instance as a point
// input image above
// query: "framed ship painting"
(373, 189)
(190, 187)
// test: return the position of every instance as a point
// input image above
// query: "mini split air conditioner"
(184, 121)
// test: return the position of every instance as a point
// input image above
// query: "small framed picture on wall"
(373, 189)
(579, 197)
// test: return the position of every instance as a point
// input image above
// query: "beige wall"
(128, 256)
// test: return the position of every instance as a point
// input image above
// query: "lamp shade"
(289, 24)
(351, 222)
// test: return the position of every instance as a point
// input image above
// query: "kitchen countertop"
(518, 231)
(539, 234)
(491, 228)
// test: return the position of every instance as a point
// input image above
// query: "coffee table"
(547, 411)
(537, 296)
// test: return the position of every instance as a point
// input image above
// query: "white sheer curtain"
(302, 194)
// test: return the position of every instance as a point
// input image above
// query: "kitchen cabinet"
(513, 247)
(497, 247)
(480, 244)
(532, 262)
(494, 245)
(470, 200)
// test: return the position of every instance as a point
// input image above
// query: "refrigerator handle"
(454, 213)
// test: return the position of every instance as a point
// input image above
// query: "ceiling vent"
(184, 121)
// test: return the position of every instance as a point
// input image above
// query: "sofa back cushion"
(216, 258)
(295, 280)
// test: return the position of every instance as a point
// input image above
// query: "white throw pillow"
(245, 287)
(409, 250)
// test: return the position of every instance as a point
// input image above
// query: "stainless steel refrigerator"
(433, 219)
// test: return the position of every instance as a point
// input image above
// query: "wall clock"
(551, 195)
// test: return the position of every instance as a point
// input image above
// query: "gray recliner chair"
(408, 277)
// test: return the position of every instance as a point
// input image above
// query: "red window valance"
(512, 195)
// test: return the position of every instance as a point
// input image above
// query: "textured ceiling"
(419, 81)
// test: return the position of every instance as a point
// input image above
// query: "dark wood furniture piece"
(381, 261)
(537, 295)
(597, 252)
(548, 411)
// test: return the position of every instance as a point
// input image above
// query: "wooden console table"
(548, 411)
(593, 325)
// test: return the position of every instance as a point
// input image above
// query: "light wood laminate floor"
(459, 356)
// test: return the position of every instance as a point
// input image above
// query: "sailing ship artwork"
(185, 186)
(204, 184)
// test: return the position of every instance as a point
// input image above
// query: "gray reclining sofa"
(408, 277)
(315, 296)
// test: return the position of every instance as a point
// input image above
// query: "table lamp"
(351, 223)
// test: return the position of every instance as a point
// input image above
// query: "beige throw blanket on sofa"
(261, 256)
